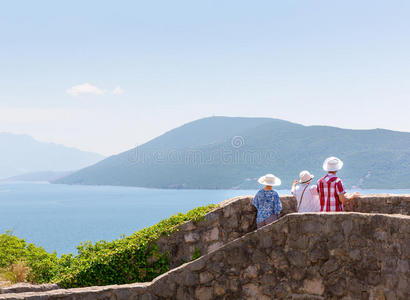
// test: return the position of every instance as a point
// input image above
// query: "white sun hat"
(332, 164)
(269, 179)
(305, 176)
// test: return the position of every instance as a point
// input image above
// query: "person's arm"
(295, 182)
(343, 198)
(278, 204)
(340, 189)
(313, 190)
(347, 197)
(256, 201)
(315, 199)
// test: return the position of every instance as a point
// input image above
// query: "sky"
(106, 76)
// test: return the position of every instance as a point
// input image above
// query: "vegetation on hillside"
(134, 258)
(18, 257)
(226, 153)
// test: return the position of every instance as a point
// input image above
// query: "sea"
(60, 217)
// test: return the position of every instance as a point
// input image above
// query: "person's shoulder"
(340, 183)
(260, 192)
(275, 193)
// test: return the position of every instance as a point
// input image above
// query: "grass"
(16, 272)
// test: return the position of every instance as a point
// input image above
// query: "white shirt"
(310, 202)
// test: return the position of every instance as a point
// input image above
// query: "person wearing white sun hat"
(267, 201)
(306, 195)
(330, 187)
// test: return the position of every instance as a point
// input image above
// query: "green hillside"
(225, 153)
(124, 260)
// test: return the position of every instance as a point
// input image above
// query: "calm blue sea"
(59, 217)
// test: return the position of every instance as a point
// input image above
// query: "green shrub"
(42, 266)
(12, 249)
(196, 254)
(131, 259)
(135, 258)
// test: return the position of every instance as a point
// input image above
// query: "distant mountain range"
(231, 153)
(22, 154)
(39, 176)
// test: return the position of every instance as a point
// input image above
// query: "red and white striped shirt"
(329, 189)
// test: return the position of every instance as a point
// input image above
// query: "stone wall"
(231, 220)
(332, 255)
(300, 256)
(28, 287)
(380, 203)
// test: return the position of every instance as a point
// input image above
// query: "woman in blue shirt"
(267, 201)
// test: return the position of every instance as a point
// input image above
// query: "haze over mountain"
(39, 176)
(22, 154)
(225, 152)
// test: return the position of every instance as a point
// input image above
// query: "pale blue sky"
(340, 63)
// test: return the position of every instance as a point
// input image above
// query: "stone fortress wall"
(231, 220)
(236, 217)
(306, 256)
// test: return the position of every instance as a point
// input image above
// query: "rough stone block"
(300, 243)
(204, 293)
(297, 258)
(191, 237)
(279, 260)
(205, 277)
(219, 289)
(251, 290)
(214, 246)
(251, 272)
(320, 252)
(212, 235)
(197, 265)
(311, 226)
(314, 286)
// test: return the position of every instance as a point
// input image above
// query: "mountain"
(39, 176)
(22, 154)
(224, 152)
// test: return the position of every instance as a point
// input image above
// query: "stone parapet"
(380, 203)
(231, 220)
(300, 256)
(235, 219)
